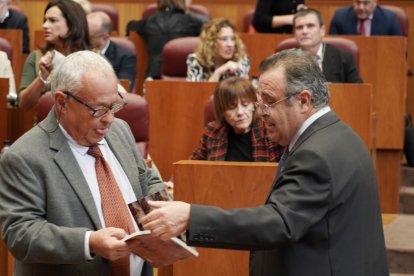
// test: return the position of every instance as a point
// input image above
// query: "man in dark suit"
(336, 65)
(122, 59)
(51, 196)
(322, 216)
(10, 19)
(365, 17)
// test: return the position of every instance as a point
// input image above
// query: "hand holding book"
(154, 245)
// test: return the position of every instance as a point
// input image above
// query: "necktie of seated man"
(362, 30)
(114, 208)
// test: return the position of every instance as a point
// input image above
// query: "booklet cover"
(153, 250)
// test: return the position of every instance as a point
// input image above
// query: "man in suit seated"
(65, 184)
(10, 19)
(123, 60)
(366, 18)
(336, 65)
(322, 215)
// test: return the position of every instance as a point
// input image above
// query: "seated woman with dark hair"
(237, 134)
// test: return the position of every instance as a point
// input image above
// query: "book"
(159, 252)
(153, 250)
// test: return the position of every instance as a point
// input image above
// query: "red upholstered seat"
(209, 114)
(247, 22)
(124, 42)
(135, 113)
(401, 17)
(174, 56)
(342, 43)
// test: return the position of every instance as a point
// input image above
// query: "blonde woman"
(219, 55)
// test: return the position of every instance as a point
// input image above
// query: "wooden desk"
(227, 185)
(224, 184)
(176, 120)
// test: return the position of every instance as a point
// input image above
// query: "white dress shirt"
(87, 164)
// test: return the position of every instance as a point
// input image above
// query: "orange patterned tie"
(114, 209)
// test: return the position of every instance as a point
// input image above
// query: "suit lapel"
(110, 52)
(328, 59)
(322, 122)
(66, 161)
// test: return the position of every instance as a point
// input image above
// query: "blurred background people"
(10, 19)
(6, 71)
(122, 59)
(66, 31)
(366, 18)
(275, 16)
(169, 22)
(238, 134)
(220, 53)
(336, 65)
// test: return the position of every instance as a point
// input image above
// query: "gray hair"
(301, 72)
(68, 76)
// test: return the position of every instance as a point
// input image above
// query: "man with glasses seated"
(65, 184)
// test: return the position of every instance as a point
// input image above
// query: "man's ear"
(60, 99)
(305, 98)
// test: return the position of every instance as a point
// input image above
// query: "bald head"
(100, 28)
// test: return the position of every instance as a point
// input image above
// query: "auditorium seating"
(247, 22)
(341, 43)
(209, 114)
(174, 56)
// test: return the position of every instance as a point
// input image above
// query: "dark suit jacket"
(16, 20)
(345, 22)
(123, 61)
(160, 28)
(339, 66)
(322, 215)
(266, 9)
(45, 216)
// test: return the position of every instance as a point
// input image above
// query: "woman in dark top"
(169, 22)
(276, 16)
(237, 134)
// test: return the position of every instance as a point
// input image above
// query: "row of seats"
(399, 13)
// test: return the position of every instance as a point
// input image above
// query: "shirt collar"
(103, 51)
(4, 18)
(74, 145)
(307, 123)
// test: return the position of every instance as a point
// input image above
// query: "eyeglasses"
(98, 112)
(266, 107)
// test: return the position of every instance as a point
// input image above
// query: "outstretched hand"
(168, 219)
